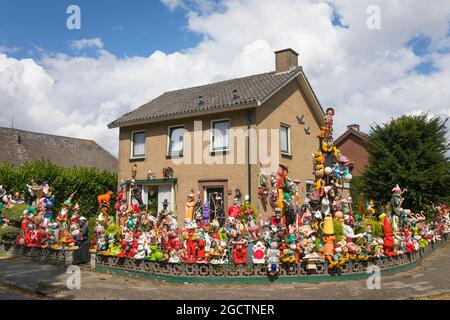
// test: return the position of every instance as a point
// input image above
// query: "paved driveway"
(430, 278)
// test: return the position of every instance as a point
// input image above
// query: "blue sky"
(129, 52)
(126, 28)
(132, 27)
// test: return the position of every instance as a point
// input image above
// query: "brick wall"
(355, 149)
(282, 107)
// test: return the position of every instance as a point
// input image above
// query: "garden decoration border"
(229, 273)
(46, 255)
(257, 273)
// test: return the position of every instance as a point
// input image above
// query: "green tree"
(409, 151)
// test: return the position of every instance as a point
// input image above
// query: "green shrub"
(89, 182)
(14, 214)
(377, 227)
(9, 233)
(91, 225)
(338, 230)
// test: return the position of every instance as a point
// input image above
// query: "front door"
(215, 197)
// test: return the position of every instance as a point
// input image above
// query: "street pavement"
(431, 278)
(10, 294)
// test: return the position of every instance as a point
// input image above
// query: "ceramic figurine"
(273, 258)
(190, 204)
(190, 255)
(239, 253)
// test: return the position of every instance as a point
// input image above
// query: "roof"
(18, 147)
(221, 96)
(350, 131)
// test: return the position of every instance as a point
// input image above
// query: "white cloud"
(366, 75)
(172, 4)
(95, 43)
(201, 6)
(5, 49)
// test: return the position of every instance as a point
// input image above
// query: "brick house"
(353, 143)
(163, 133)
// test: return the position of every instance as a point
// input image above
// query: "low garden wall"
(255, 273)
(59, 257)
(228, 273)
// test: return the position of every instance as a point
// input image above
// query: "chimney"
(285, 60)
(353, 126)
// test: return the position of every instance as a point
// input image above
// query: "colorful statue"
(239, 253)
(190, 204)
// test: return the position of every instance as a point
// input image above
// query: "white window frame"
(132, 156)
(311, 183)
(211, 145)
(169, 128)
(288, 152)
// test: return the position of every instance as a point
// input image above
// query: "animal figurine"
(105, 198)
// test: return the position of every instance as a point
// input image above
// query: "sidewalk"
(430, 278)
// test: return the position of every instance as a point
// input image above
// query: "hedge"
(14, 214)
(9, 233)
(89, 182)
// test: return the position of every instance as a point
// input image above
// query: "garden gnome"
(134, 171)
(190, 204)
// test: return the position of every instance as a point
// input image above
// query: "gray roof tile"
(20, 146)
(216, 96)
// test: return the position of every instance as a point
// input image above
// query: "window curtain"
(139, 144)
(220, 135)
(284, 132)
(176, 140)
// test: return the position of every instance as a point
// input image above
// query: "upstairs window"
(138, 144)
(220, 135)
(176, 141)
(285, 139)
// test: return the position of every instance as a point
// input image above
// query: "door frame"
(215, 183)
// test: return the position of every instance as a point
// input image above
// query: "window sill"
(219, 152)
(286, 155)
(175, 156)
(135, 159)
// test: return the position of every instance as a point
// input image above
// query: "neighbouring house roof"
(350, 131)
(222, 96)
(18, 147)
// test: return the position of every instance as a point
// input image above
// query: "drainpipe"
(249, 167)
